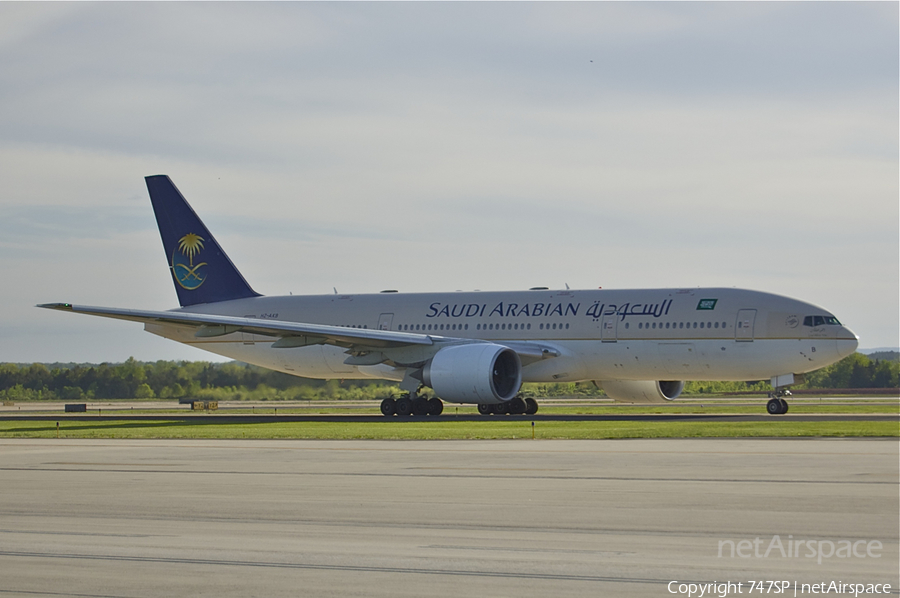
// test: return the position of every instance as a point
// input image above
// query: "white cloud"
(370, 146)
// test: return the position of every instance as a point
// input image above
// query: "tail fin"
(202, 272)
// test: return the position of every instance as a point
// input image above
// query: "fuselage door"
(385, 321)
(609, 328)
(743, 326)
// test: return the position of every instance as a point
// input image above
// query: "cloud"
(419, 145)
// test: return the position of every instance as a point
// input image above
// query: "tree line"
(239, 381)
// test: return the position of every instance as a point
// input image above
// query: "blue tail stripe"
(201, 271)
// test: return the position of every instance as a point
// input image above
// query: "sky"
(446, 146)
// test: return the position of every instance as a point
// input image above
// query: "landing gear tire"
(388, 407)
(501, 408)
(516, 406)
(531, 406)
(404, 406)
(420, 406)
(776, 406)
(485, 409)
(435, 406)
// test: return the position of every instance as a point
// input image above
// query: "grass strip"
(444, 430)
(450, 410)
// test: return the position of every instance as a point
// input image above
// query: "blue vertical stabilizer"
(201, 271)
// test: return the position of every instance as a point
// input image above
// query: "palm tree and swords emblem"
(187, 274)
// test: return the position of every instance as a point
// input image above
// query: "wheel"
(784, 407)
(501, 408)
(420, 406)
(531, 406)
(773, 407)
(435, 406)
(485, 409)
(404, 406)
(388, 407)
(516, 406)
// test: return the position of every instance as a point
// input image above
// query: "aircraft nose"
(846, 342)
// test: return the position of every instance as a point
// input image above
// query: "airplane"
(638, 345)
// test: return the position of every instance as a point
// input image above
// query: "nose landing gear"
(777, 405)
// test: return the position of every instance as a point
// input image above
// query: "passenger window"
(701, 324)
(717, 324)
(567, 326)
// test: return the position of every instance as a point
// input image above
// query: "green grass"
(715, 408)
(860, 407)
(445, 430)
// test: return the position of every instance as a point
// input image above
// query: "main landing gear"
(406, 406)
(777, 405)
(515, 406)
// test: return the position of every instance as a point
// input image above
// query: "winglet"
(201, 271)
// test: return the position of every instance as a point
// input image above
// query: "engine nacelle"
(641, 391)
(476, 373)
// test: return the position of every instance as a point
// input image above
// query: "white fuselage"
(644, 334)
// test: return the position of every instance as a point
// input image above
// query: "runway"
(137, 519)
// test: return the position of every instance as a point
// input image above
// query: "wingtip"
(57, 306)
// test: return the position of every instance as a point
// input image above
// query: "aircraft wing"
(288, 334)
(298, 334)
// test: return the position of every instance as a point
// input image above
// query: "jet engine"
(641, 391)
(476, 373)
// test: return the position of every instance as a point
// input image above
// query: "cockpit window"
(821, 321)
